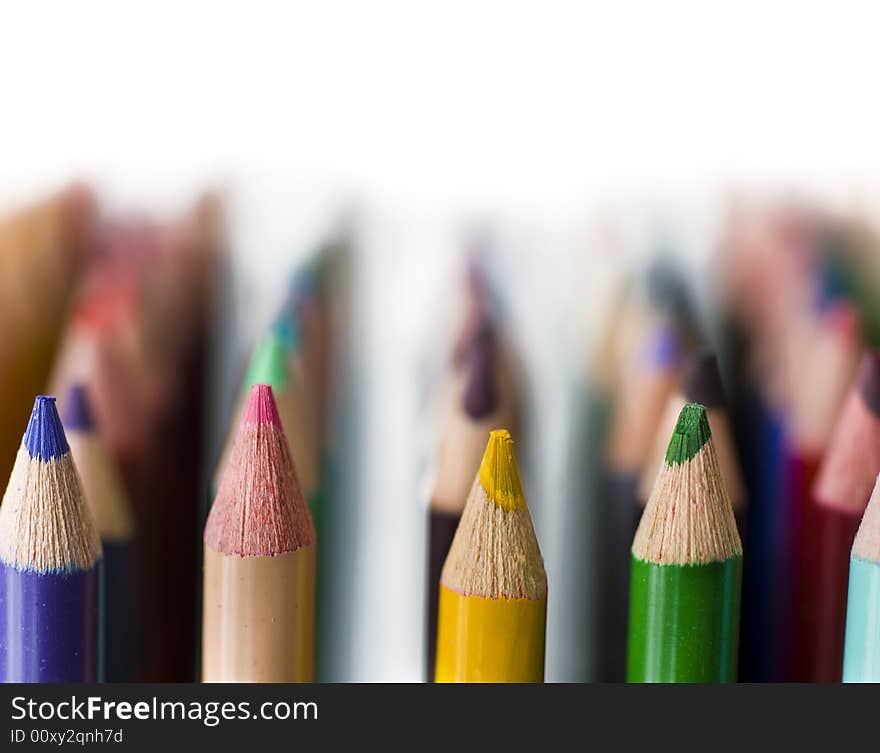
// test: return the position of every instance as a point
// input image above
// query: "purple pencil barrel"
(49, 625)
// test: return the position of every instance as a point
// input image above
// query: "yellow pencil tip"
(498, 472)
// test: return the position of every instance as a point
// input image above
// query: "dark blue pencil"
(50, 563)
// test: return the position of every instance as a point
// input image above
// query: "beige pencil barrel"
(259, 617)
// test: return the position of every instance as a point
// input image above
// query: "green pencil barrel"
(861, 659)
(684, 622)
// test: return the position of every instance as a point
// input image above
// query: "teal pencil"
(861, 658)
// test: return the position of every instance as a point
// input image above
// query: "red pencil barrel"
(835, 531)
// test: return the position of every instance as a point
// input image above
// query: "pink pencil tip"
(843, 317)
(261, 408)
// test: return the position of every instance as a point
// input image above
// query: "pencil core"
(691, 433)
(44, 437)
(77, 411)
(498, 472)
(261, 408)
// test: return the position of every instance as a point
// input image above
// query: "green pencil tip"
(691, 433)
(268, 363)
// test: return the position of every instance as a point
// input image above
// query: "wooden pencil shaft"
(259, 617)
(722, 437)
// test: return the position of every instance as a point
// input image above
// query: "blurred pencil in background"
(649, 375)
(43, 249)
(768, 286)
(310, 304)
(111, 510)
(841, 492)
(824, 364)
(303, 432)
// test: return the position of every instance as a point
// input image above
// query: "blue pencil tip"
(77, 411)
(286, 327)
(44, 438)
(663, 349)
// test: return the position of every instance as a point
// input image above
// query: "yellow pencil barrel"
(490, 640)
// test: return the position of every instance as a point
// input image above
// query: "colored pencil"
(591, 410)
(493, 588)
(111, 511)
(259, 579)
(314, 299)
(686, 567)
(761, 440)
(861, 657)
(843, 486)
(50, 563)
(823, 365)
(701, 384)
(296, 405)
(646, 383)
(42, 253)
(178, 304)
(476, 308)
(328, 328)
(769, 282)
(149, 296)
(269, 364)
(478, 403)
